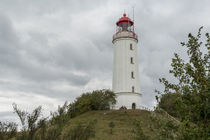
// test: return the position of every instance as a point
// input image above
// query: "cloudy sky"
(51, 51)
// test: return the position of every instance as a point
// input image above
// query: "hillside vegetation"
(95, 125)
(187, 98)
(91, 119)
(124, 124)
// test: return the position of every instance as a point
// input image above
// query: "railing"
(130, 107)
(122, 34)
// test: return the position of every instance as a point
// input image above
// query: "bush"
(169, 103)
(81, 131)
(111, 125)
(7, 130)
(96, 100)
(28, 121)
(138, 131)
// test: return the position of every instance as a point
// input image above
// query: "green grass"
(123, 120)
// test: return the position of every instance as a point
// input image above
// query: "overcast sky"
(51, 51)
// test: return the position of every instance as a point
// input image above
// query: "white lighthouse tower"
(125, 82)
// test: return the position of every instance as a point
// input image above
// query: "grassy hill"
(123, 120)
(89, 118)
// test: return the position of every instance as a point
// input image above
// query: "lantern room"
(125, 28)
(124, 24)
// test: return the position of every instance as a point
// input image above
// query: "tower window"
(132, 74)
(132, 60)
(131, 46)
(133, 90)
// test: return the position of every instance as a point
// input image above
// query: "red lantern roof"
(124, 19)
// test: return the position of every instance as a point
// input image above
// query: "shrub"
(80, 131)
(96, 100)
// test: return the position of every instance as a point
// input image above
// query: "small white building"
(125, 82)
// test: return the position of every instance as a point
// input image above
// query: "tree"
(28, 121)
(193, 84)
(96, 100)
(168, 102)
(60, 116)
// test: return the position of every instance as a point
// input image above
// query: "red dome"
(124, 19)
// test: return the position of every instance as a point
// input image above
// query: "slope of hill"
(124, 124)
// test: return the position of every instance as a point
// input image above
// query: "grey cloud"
(9, 43)
(28, 63)
(5, 113)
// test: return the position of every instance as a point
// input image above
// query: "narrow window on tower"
(133, 89)
(131, 46)
(132, 60)
(132, 74)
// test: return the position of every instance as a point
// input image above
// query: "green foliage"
(51, 133)
(60, 116)
(167, 129)
(32, 119)
(28, 121)
(122, 119)
(193, 85)
(96, 100)
(41, 129)
(21, 114)
(138, 131)
(169, 102)
(7, 130)
(51, 129)
(81, 131)
(111, 125)
(188, 130)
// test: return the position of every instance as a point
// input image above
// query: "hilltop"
(124, 124)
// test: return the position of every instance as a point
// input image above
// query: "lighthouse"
(125, 81)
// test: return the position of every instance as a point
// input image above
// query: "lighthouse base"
(127, 100)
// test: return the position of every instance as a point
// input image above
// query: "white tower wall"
(126, 87)
(122, 80)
